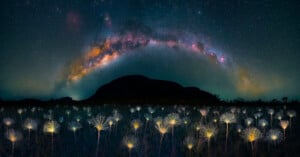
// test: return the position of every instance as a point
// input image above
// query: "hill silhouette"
(140, 89)
(137, 89)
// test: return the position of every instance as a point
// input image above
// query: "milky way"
(112, 47)
(136, 37)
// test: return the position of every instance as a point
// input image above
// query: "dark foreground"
(150, 130)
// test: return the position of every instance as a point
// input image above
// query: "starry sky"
(231, 48)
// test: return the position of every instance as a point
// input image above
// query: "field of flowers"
(152, 130)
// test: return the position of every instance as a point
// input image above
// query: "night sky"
(231, 48)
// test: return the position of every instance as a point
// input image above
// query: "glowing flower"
(158, 120)
(257, 116)
(279, 115)
(291, 114)
(198, 127)
(136, 124)
(163, 128)
(284, 124)
(186, 120)
(251, 134)
(215, 120)
(110, 122)
(117, 116)
(138, 108)
(13, 136)
(8, 121)
(274, 136)
(227, 118)
(99, 122)
(203, 112)
(271, 111)
(51, 127)
(132, 110)
(244, 111)
(74, 126)
(151, 110)
(68, 112)
(249, 121)
(173, 119)
(78, 118)
(147, 117)
(20, 111)
(263, 123)
(239, 128)
(130, 142)
(30, 124)
(189, 142)
(208, 132)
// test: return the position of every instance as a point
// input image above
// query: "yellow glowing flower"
(130, 142)
(13, 136)
(51, 127)
(252, 134)
(136, 124)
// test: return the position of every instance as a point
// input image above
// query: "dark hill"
(140, 89)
